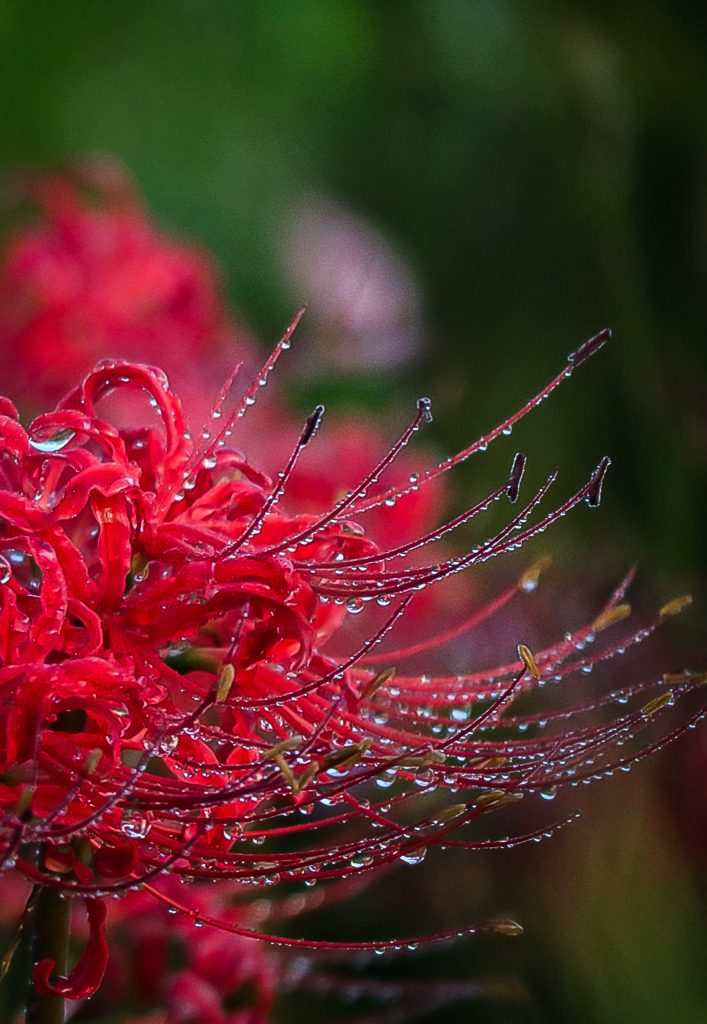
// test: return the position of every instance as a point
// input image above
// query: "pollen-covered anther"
(611, 616)
(497, 798)
(380, 679)
(424, 760)
(291, 743)
(675, 606)
(224, 682)
(346, 757)
(450, 813)
(297, 783)
(487, 762)
(526, 656)
(657, 703)
(507, 927)
(92, 760)
(681, 678)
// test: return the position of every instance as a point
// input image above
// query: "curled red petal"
(88, 972)
(116, 861)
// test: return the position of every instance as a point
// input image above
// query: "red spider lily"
(93, 277)
(170, 695)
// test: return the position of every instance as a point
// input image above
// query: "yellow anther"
(526, 656)
(487, 762)
(426, 759)
(92, 761)
(657, 703)
(675, 606)
(296, 782)
(678, 678)
(380, 679)
(224, 682)
(507, 927)
(347, 756)
(449, 814)
(304, 778)
(291, 743)
(611, 616)
(497, 798)
(287, 773)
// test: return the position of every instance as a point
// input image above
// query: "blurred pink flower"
(364, 296)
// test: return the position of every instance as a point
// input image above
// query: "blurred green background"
(525, 174)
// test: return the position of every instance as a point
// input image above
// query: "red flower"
(171, 687)
(95, 278)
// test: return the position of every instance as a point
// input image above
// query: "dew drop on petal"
(58, 440)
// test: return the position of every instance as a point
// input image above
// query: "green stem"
(51, 926)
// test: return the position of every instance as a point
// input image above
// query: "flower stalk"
(50, 927)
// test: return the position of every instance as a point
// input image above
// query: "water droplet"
(137, 826)
(58, 440)
(414, 856)
(548, 792)
(360, 860)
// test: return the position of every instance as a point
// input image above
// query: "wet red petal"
(88, 972)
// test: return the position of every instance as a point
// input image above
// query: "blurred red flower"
(92, 277)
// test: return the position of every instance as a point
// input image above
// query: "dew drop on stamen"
(414, 857)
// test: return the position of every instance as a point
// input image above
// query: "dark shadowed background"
(463, 191)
